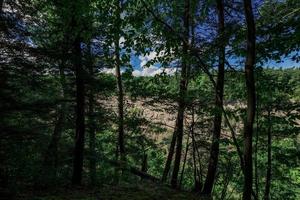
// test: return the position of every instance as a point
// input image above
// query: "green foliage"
(37, 86)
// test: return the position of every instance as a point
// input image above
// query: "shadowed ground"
(107, 192)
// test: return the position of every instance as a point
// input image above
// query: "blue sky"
(286, 63)
(138, 61)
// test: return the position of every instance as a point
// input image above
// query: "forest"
(149, 99)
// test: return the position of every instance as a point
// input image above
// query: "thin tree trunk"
(250, 85)
(179, 134)
(182, 96)
(239, 151)
(119, 84)
(185, 158)
(200, 175)
(51, 159)
(269, 164)
(80, 124)
(92, 125)
(214, 151)
(117, 168)
(92, 139)
(256, 178)
(48, 172)
(197, 185)
(197, 181)
(227, 179)
(1, 7)
(3, 25)
(144, 167)
(170, 157)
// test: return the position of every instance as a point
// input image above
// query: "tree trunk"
(170, 157)
(119, 85)
(1, 7)
(179, 135)
(182, 96)
(250, 85)
(2, 23)
(214, 151)
(51, 156)
(256, 178)
(197, 182)
(269, 164)
(227, 179)
(80, 124)
(185, 158)
(144, 167)
(92, 125)
(51, 160)
(92, 138)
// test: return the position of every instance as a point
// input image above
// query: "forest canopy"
(149, 99)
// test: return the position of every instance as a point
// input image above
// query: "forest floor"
(108, 192)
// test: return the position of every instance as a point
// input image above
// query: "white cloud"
(147, 58)
(108, 71)
(150, 56)
(121, 41)
(152, 71)
(145, 71)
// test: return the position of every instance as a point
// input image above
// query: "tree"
(55, 56)
(214, 151)
(80, 113)
(121, 146)
(1, 6)
(185, 69)
(51, 155)
(269, 161)
(251, 99)
(91, 117)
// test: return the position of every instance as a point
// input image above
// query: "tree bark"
(214, 151)
(197, 180)
(182, 96)
(119, 84)
(144, 167)
(51, 159)
(256, 178)
(185, 158)
(227, 178)
(269, 164)
(2, 19)
(80, 124)
(1, 7)
(170, 157)
(179, 136)
(92, 125)
(251, 103)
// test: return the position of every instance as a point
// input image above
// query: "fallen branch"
(124, 166)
